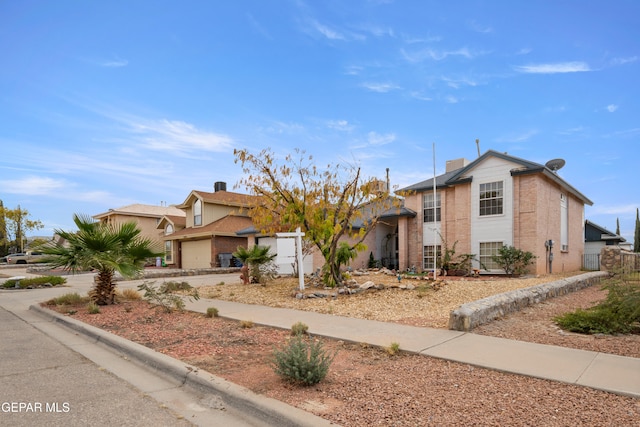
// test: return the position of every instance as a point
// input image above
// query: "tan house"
(146, 216)
(493, 201)
(208, 236)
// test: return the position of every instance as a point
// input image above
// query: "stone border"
(473, 314)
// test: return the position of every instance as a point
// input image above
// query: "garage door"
(196, 254)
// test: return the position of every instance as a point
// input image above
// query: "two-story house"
(208, 236)
(147, 217)
(493, 201)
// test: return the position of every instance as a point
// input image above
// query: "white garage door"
(196, 254)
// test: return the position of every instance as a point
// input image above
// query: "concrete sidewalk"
(616, 374)
(605, 372)
(79, 375)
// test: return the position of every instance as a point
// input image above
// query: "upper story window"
(168, 229)
(564, 223)
(197, 212)
(491, 195)
(429, 207)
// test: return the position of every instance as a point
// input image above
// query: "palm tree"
(254, 258)
(104, 248)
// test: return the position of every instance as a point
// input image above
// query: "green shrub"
(302, 361)
(212, 312)
(172, 286)
(93, 308)
(299, 328)
(68, 299)
(246, 324)
(393, 349)
(619, 313)
(513, 260)
(372, 261)
(164, 298)
(130, 294)
(35, 282)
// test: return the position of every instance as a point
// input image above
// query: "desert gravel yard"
(367, 386)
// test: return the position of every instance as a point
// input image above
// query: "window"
(168, 251)
(487, 251)
(428, 256)
(197, 212)
(428, 207)
(564, 223)
(168, 229)
(491, 198)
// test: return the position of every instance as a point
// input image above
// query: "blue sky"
(107, 103)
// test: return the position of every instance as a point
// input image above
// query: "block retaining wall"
(468, 316)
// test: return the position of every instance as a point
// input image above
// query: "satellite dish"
(555, 164)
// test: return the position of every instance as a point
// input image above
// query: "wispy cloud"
(524, 51)
(458, 83)
(519, 137)
(178, 137)
(258, 26)
(377, 31)
(114, 63)
(327, 32)
(437, 55)
(380, 87)
(33, 185)
(341, 125)
(622, 61)
(573, 131)
(420, 96)
(627, 133)
(612, 108)
(614, 209)
(479, 28)
(374, 138)
(353, 70)
(560, 67)
(555, 109)
(451, 99)
(284, 128)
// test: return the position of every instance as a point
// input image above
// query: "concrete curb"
(468, 316)
(270, 411)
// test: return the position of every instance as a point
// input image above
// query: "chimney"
(220, 186)
(456, 164)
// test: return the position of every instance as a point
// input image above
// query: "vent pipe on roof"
(388, 182)
(220, 186)
(478, 145)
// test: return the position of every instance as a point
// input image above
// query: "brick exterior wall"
(413, 240)
(460, 228)
(224, 244)
(536, 218)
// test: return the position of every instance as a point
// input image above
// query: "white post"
(435, 217)
(299, 235)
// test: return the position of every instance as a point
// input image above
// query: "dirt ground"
(368, 386)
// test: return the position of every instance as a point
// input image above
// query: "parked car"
(30, 257)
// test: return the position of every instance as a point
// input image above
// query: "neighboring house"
(382, 241)
(493, 201)
(209, 234)
(169, 224)
(146, 216)
(595, 238)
